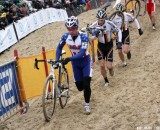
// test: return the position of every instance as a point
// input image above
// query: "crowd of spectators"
(13, 10)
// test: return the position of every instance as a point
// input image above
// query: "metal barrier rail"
(10, 96)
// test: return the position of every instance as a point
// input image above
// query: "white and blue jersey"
(80, 58)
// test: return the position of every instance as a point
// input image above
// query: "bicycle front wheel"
(133, 7)
(49, 98)
(112, 16)
(63, 85)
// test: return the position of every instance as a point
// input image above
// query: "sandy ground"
(132, 101)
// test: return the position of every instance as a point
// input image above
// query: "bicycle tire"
(63, 84)
(91, 46)
(114, 14)
(134, 7)
(111, 18)
(49, 98)
(143, 8)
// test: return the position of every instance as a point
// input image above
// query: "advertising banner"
(7, 38)
(8, 88)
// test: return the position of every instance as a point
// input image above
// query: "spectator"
(36, 4)
(29, 6)
(23, 8)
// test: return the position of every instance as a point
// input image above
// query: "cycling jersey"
(80, 58)
(106, 36)
(127, 18)
(78, 47)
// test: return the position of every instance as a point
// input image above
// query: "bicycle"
(53, 89)
(136, 7)
(111, 17)
(88, 30)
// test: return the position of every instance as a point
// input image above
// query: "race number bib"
(84, 45)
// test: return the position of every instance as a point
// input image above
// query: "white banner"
(23, 27)
(29, 24)
(41, 18)
(48, 15)
(37, 20)
(7, 38)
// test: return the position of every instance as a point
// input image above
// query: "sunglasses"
(101, 19)
(72, 29)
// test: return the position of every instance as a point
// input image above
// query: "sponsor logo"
(21, 29)
(40, 16)
(48, 15)
(59, 13)
(28, 25)
(74, 47)
(6, 86)
(1, 41)
(35, 20)
(9, 34)
(70, 40)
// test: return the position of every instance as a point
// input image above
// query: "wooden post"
(21, 92)
(44, 58)
(45, 64)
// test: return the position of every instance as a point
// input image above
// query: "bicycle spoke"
(133, 7)
(49, 98)
(64, 89)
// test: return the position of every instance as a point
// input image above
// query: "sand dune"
(131, 101)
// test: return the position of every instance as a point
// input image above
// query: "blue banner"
(8, 88)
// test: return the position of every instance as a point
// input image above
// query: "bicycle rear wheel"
(133, 7)
(49, 98)
(63, 85)
(111, 17)
(120, 13)
(143, 8)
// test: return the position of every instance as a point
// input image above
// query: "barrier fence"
(18, 30)
(10, 96)
(19, 81)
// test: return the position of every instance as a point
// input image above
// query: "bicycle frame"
(54, 89)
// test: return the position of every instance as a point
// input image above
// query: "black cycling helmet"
(101, 14)
(120, 7)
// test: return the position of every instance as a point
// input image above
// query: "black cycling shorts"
(105, 51)
(125, 39)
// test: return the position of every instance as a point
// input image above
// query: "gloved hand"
(56, 66)
(140, 31)
(119, 45)
(65, 61)
(96, 32)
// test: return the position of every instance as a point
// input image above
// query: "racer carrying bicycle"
(105, 43)
(80, 59)
(124, 46)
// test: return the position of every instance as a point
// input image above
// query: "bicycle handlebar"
(90, 28)
(49, 61)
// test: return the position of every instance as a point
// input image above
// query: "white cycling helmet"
(120, 7)
(71, 22)
(101, 14)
